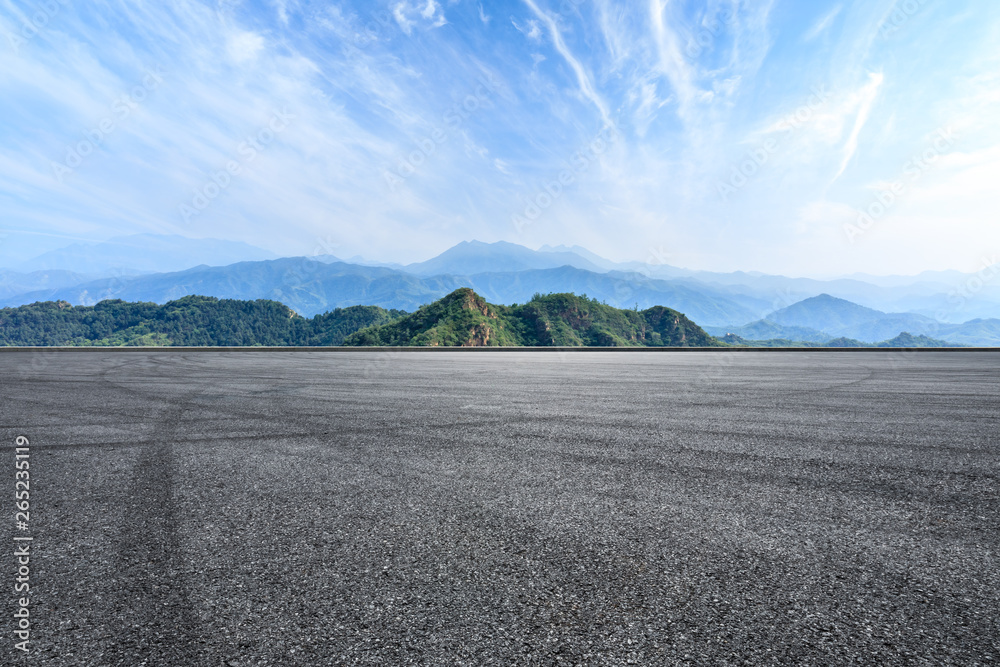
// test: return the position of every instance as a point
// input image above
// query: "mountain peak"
(824, 297)
(463, 318)
(474, 257)
(823, 304)
(466, 299)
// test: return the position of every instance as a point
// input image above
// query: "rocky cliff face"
(480, 336)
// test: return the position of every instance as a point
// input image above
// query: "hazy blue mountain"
(838, 317)
(949, 296)
(763, 330)
(307, 286)
(907, 339)
(13, 283)
(902, 340)
(927, 277)
(471, 257)
(310, 287)
(982, 332)
(621, 290)
(357, 259)
(145, 253)
(942, 295)
(596, 260)
(752, 305)
(892, 324)
(833, 316)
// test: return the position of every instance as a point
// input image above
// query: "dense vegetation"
(192, 320)
(463, 318)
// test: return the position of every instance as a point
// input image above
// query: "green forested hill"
(192, 320)
(463, 318)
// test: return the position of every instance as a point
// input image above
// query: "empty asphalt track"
(386, 508)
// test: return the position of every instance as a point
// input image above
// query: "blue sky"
(804, 138)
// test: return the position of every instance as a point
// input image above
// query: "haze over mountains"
(950, 306)
(144, 253)
(823, 318)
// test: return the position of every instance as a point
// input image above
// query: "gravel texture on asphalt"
(388, 508)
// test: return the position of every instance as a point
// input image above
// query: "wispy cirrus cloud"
(582, 76)
(671, 61)
(822, 24)
(693, 88)
(866, 100)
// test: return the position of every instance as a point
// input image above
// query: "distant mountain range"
(13, 284)
(902, 340)
(143, 253)
(950, 306)
(474, 257)
(311, 287)
(823, 318)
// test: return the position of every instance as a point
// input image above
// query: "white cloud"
(532, 31)
(244, 46)
(671, 62)
(582, 77)
(869, 93)
(399, 13)
(282, 8)
(407, 15)
(364, 106)
(648, 103)
(961, 180)
(822, 24)
(613, 22)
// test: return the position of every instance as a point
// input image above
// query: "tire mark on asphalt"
(154, 612)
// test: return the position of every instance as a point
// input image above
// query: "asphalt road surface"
(380, 508)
